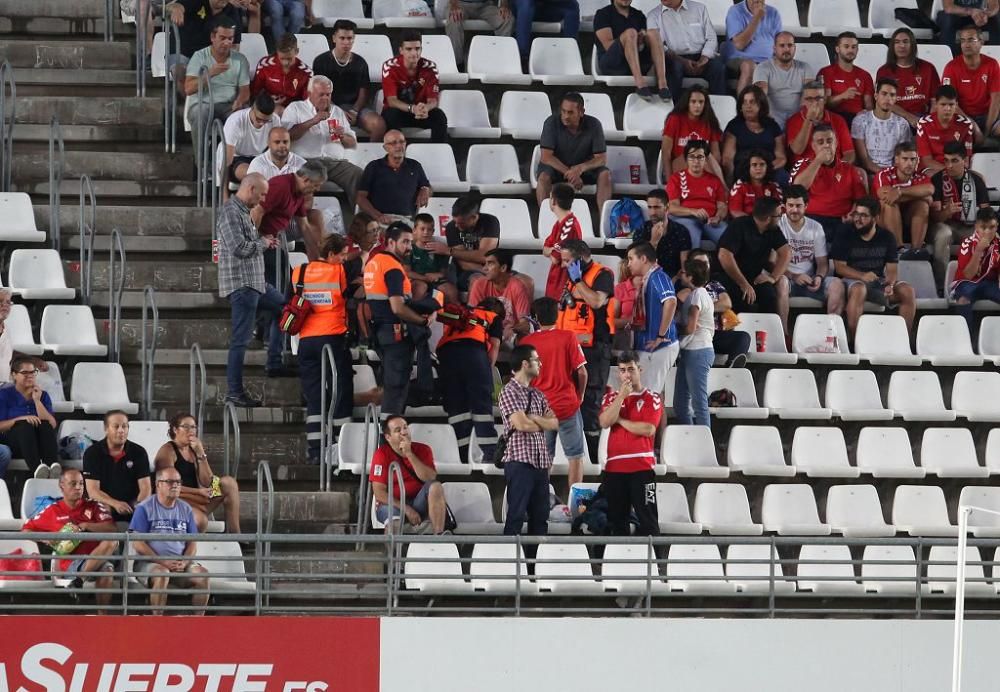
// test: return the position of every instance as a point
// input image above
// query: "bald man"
(279, 158)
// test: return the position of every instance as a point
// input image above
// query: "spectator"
(956, 15)
(978, 267)
(671, 240)
(27, 422)
(282, 76)
(905, 197)
(944, 124)
(755, 178)
(499, 282)
(424, 506)
(496, 14)
(428, 271)
(278, 159)
(200, 487)
(682, 42)
(287, 18)
(563, 381)
(782, 79)
(247, 133)
(116, 469)
(753, 128)
(169, 559)
(196, 21)
(6, 342)
(393, 187)
(410, 90)
(917, 80)
(696, 355)
(229, 75)
(728, 341)
(751, 27)
(621, 44)
(813, 113)
(833, 184)
(809, 267)
(566, 12)
(976, 78)
(698, 199)
(865, 256)
(76, 514)
(877, 132)
(959, 194)
(526, 462)
(573, 151)
(691, 120)
(752, 279)
(470, 235)
(363, 240)
(848, 88)
(633, 414)
(351, 81)
(628, 315)
(657, 340)
(566, 228)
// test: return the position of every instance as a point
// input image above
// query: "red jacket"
(284, 88)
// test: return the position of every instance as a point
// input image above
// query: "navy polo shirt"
(393, 191)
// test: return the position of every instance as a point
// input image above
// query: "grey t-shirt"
(569, 148)
(784, 87)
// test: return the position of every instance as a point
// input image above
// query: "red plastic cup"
(634, 173)
(761, 341)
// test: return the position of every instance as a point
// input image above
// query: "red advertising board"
(181, 654)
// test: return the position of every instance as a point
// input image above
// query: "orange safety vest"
(477, 331)
(374, 279)
(581, 319)
(323, 286)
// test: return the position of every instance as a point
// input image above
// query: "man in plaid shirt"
(527, 461)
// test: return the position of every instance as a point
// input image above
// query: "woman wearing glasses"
(27, 422)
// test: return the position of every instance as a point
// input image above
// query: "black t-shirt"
(119, 478)
(347, 79)
(865, 255)
(747, 139)
(487, 226)
(673, 242)
(196, 33)
(393, 192)
(610, 18)
(604, 283)
(750, 247)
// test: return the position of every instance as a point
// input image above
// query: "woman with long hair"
(917, 79)
(691, 119)
(754, 178)
(752, 128)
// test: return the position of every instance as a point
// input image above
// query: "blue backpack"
(626, 219)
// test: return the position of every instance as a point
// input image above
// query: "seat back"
(465, 108)
(871, 56)
(947, 449)
(840, 569)
(882, 335)
(523, 110)
(762, 554)
(438, 161)
(569, 560)
(881, 13)
(311, 46)
(646, 117)
(989, 336)
(721, 503)
(100, 384)
(225, 561)
(253, 48)
(737, 380)
(915, 390)
(975, 391)
(980, 498)
(628, 167)
(438, 49)
(437, 560)
(17, 217)
(599, 106)
(755, 445)
(906, 570)
(753, 322)
(724, 106)
(688, 445)
(469, 502)
(811, 331)
(854, 505)
(815, 55)
(685, 561)
(884, 448)
(819, 446)
(943, 335)
(36, 268)
(67, 325)
(493, 55)
(787, 388)
(375, 49)
(919, 505)
(35, 488)
(441, 438)
(672, 504)
(440, 209)
(789, 503)
(51, 382)
(535, 266)
(487, 164)
(18, 328)
(920, 276)
(555, 56)
(852, 389)
(150, 435)
(514, 220)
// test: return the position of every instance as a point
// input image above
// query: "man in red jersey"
(976, 77)
(633, 413)
(978, 267)
(566, 227)
(944, 124)
(282, 75)
(799, 128)
(905, 195)
(849, 89)
(411, 91)
(833, 184)
(72, 515)
(917, 79)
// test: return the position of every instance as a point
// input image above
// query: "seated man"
(683, 44)
(470, 235)
(877, 132)
(865, 257)
(976, 78)
(116, 469)
(783, 77)
(79, 559)
(959, 194)
(496, 14)
(351, 82)
(671, 240)
(424, 506)
(620, 30)
(168, 560)
(943, 125)
(195, 22)
(282, 76)
(978, 267)
(247, 132)
(753, 281)
(499, 281)
(814, 113)
(849, 88)
(410, 90)
(393, 187)
(751, 27)
(905, 196)
(279, 159)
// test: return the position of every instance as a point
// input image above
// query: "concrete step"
(173, 385)
(213, 357)
(158, 189)
(134, 221)
(145, 244)
(66, 55)
(179, 335)
(117, 110)
(102, 166)
(25, 25)
(321, 512)
(324, 563)
(85, 83)
(175, 300)
(63, 9)
(114, 135)
(181, 276)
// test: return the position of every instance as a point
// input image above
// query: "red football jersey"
(838, 80)
(989, 263)
(567, 229)
(58, 514)
(743, 195)
(840, 130)
(932, 135)
(385, 455)
(697, 192)
(890, 176)
(417, 88)
(628, 452)
(561, 357)
(683, 129)
(285, 88)
(917, 85)
(974, 86)
(835, 188)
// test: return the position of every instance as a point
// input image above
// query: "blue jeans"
(528, 11)
(984, 290)
(287, 17)
(691, 386)
(244, 303)
(698, 229)
(527, 498)
(5, 457)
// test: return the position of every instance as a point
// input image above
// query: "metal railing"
(231, 454)
(147, 349)
(201, 156)
(198, 380)
(57, 163)
(7, 127)
(142, 20)
(265, 526)
(395, 526)
(214, 140)
(170, 95)
(328, 383)
(87, 227)
(110, 11)
(116, 289)
(364, 496)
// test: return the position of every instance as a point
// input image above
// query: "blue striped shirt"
(658, 290)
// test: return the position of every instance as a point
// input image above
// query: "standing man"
(943, 125)
(526, 463)
(393, 187)
(499, 282)
(877, 132)
(905, 196)
(116, 469)
(959, 194)
(634, 414)
(782, 78)
(351, 81)
(247, 132)
(744, 253)
(976, 78)
(814, 113)
(657, 341)
(573, 151)
(410, 90)
(496, 14)
(620, 30)
(849, 89)
(282, 76)
(751, 27)
(278, 159)
(287, 208)
(683, 43)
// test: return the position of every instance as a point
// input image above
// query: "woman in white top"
(697, 354)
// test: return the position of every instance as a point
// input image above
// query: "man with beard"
(782, 78)
(279, 159)
(905, 196)
(744, 253)
(849, 88)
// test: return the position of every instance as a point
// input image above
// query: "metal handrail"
(364, 497)
(213, 139)
(196, 372)
(328, 369)
(141, 27)
(230, 419)
(7, 129)
(265, 483)
(55, 179)
(170, 96)
(116, 289)
(395, 546)
(109, 20)
(204, 85)
(148, 350)
(88, 232)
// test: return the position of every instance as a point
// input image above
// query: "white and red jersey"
(704, 191)
(628, 452)
(743, 195)
(932, 135)
(889, 177)
(58, 514)
(989, 263)
(421, 87)
(567, 228)
(834, 189)
(285, 88)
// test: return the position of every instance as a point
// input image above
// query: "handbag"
(13, 562)
(503, 439)
(297, 309)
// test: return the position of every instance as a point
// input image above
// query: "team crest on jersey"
(128, 464)
(295, 83)
(638, 405)
(919, 80)
(710, 189)
(983, 77)
(857, 83)
(957, 136)
(837, 177)
(378, 469)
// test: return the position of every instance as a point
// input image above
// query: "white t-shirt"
(705, 331)
(806, 244)
(880, 136)
(6, 353)
(244, 137)
(263, 164)
(317, 141)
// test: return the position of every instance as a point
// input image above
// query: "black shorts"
(589, 178)
(237, 162)
(613, 62)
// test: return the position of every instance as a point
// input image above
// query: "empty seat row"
(66, 330)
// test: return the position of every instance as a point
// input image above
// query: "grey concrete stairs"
(144, 229)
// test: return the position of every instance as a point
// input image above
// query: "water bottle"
(832, 345)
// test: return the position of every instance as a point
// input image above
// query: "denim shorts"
(797, 291)
(418, 503)
(570, 434)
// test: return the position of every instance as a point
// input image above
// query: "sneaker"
(664, 94)
(77, 583)
(55, 470)
(739, 361)
(42, 471)
(915, 255)
(645, 93)
(424, 527)
(243, 401)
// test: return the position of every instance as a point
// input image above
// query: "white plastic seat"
(723, 509)
(467, 114)
(560, 462)
(882, 19)
(821, 452)
(599, 106)
(441, 438)
(515, 225)
(493, 169)
(942, 578)
(831, 17)
(522, 113)
(884, 340)
(982, 524)
(989, 339)
(547, 219)
(629, 175)
(157, 60)
(253, 48)
(920, 276)
(472, 506)
(789, 509)
(224, 562)
(672, 510)
(569, 571)
(17, 219)
(68, 330)
(18, 328)
(724, 106)
(644, 119)
(890, 579)
(556, 61)
(915, 395)
(950, 453)
(35, 488)
(38, 275)
(7, 520)
(311, 46)
(944, 340)
(689, 452)
(101, 387)
(920, 510)
(365, 153)
(375, 49)
(835, 579)
(809, 338)
(32, 583)
(993, 451)
(51, 383)
(789, 11)
(615, 80)
(494, 569)
(776, 353)
(696, 570)
(329, 11)
(974, 396)
(854, 395)
(604, 225)
(886, 453)
(740, 382)
(440, 209)
(496, 60)
(438, 161)
(351, 448)
(434, 568)
(438, 49)
(871, 56)
(755, 450)
(792, 394)
(855, 511)
(631, 570)
(150, 435)
(815, 55)
(535, 266)
(755, 577)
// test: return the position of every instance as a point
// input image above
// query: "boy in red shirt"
(976, 77)
(944, 124)
(905, 195)
(833, 184)
(566, 227)
(698, 200)
(848, 88)
(978, 266)
(282, 75)
(410, 90)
